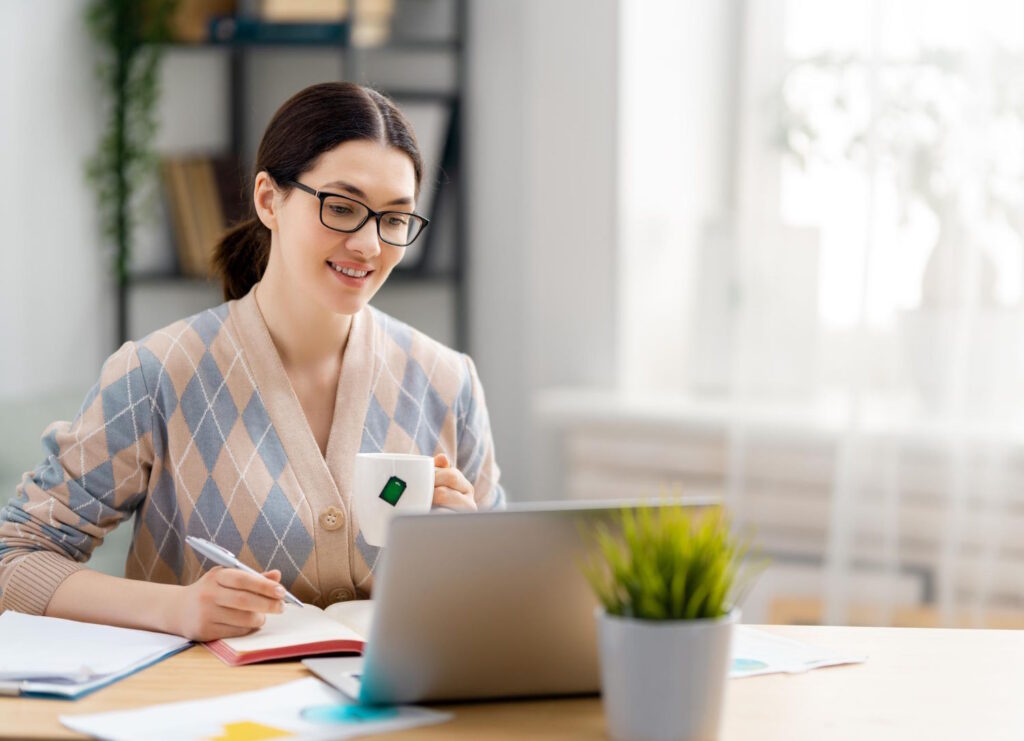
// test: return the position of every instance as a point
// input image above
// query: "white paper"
(293, 626)
(356, 614)
(66, 652)
(281, 708)
(757, 652)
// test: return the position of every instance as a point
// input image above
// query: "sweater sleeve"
(475, 456)
(94, 475)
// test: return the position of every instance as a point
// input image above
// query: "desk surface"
(917, 683)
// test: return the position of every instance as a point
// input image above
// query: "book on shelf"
(371, 22)
(190, 20)
(239, 29)
(203, 196)
(303, 11)
(300, 631)
(431, 120)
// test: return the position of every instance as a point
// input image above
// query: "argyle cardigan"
(196, 430)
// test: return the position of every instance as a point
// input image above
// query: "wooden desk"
(917, 683)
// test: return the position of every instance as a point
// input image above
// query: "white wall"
(56, 322)
(677, 113)
(543, 139)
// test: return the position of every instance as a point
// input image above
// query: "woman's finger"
(241, 580)
(217, 631)
(453, 479)
(239, 599)
(447, 497)
(238, 618)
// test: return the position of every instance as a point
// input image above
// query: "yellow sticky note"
(248, 731)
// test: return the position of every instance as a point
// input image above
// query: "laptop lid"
(486, 605)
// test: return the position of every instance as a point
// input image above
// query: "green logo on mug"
(393, 490)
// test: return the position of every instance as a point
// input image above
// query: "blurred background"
(770, 251)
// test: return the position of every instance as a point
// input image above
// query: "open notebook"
(52, 657)
(301, 631)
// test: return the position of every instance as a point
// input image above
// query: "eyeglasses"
(344, 214)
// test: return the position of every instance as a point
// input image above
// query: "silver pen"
(224, 557)
(12, 688)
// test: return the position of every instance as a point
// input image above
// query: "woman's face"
(312, 256)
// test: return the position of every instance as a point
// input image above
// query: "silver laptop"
(481, 605)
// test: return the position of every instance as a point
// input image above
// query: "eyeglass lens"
(395, 227)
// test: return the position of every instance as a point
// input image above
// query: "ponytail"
(240, 258)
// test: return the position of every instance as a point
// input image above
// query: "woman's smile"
(351, 273)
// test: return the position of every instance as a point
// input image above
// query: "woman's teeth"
(349, 271)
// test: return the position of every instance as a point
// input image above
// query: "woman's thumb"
(441, 461)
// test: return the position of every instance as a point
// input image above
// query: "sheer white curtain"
(876, 255)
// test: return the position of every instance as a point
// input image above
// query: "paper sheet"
(32, 646)
(303, 709)
(757, 652)
(65, 657)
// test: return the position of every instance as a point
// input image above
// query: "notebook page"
(356, 614)
(293, 627)
(37, 647)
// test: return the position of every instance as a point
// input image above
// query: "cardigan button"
(332, 519)
(342, 595)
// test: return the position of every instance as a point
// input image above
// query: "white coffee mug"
(386, 483)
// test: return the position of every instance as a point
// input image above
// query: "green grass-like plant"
(667, 563)
(129, 36)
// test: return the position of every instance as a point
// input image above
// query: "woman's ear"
(264, 197)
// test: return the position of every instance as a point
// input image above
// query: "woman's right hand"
(225, 603)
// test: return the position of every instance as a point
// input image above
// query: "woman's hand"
(225, 603)
(452, 490)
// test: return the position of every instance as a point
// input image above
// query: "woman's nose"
(365, 242)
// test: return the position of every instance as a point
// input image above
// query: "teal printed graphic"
(353, 714)
(746, 665)
(393, 490)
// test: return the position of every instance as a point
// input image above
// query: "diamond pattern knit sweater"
(196, 430)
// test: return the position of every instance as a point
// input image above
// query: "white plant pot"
(664, 680)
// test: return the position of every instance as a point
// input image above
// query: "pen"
(10, 689)
(225, 557)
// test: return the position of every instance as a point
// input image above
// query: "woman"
(241, 424)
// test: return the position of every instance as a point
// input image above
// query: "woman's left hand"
(452, 490)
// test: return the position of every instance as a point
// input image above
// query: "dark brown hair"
(311, 122)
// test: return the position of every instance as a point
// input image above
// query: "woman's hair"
(311, 122)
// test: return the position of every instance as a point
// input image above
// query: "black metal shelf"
(397, 45)
(450, 161)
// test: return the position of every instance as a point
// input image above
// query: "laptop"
(481, 605)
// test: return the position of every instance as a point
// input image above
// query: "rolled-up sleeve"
(94, 475)
(475, 453)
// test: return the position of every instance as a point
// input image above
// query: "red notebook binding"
(300, 631)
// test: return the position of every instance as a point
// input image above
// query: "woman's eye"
(339, 210)
(396, 220)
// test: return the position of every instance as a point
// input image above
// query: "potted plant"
(667, 580)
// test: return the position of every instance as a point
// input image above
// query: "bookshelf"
(437, 263)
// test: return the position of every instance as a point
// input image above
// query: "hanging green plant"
(130, 35)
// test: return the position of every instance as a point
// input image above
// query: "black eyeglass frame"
(322, 196)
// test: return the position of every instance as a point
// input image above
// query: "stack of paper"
(65, 658)
(305, 709)
(757, 652)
